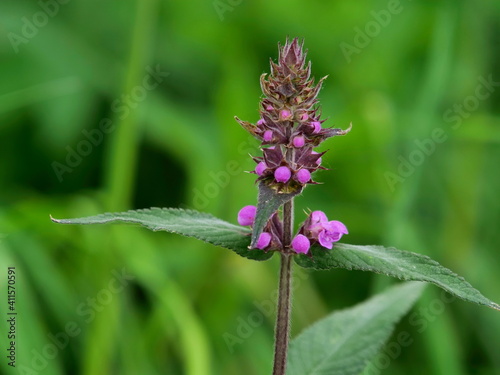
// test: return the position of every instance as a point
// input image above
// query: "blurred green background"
(85, 127)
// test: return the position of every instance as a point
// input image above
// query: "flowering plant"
(289, 128)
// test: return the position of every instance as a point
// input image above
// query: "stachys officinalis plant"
(290, 126)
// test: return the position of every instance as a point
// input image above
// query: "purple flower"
(285, 114)
(326, 232)
(318, 217)
(301, 244)
(264, 240)
(260, 168)
(298, 141)
(316, 126)
(246, 216)
(282, 174)
(303, 176)
(290, 119)
(332, 232)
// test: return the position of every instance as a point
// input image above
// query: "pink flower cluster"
(289, 127)
(315, 229)
(290, 124)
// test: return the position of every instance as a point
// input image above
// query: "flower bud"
(246, 216)
(285, 114)
(282, 174)
(264, 240)
(303, 176)
(316, 126)
(268, 136)
(260, 168)
(298, 141)
(301, 244)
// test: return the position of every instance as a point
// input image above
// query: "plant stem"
(287, 225)
(282, 331)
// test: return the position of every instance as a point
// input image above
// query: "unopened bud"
(260, 168)
(316, 126)
(246, 216)
(264, 240)
(285, 114)
(301, 244)
(282, 174)
(298, 141)
(303, 176)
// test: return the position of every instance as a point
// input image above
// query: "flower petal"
(318, 217)
(324, 239)
(338, 226)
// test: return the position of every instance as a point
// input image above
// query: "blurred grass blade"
(188, 223)
(404, 265)
(344, 342)
(39, 92)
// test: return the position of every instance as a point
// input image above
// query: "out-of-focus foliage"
(115, 105)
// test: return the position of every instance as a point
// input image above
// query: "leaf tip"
(495, 306)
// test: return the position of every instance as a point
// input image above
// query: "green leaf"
(404, 265)
(189, 223)
(268, 203)
(344, 342)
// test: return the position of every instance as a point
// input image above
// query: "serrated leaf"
(189, 223)
(269, 201)
(404, 265)
(344, 342)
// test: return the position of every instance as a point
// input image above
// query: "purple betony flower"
(290, 117)
(318, 228)
(289, 127)
(332, 232)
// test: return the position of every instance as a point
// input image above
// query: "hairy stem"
(283, 316)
